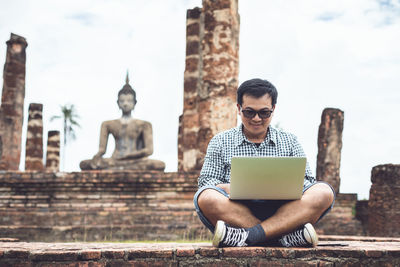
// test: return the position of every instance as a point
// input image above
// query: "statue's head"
(126, 97)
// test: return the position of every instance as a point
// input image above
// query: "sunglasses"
(251, 113)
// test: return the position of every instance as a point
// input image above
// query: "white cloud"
(341, 54)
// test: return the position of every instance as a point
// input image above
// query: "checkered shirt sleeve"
(223, 146)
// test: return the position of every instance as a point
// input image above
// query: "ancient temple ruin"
(330, 147)
(210, 79)
(34, 139)
(148, 205)
(12, 103)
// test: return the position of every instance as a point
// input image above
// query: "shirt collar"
(271, 135)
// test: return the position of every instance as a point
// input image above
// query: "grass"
(155, 241)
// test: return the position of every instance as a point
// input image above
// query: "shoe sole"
(218, 233)
(313, 235)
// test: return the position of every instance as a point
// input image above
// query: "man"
(244, 223)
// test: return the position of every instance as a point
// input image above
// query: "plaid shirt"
(223, 146)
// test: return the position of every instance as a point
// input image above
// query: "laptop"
(274, 178)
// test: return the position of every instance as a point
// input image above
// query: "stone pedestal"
(12, 103)
(384, 201)
(210, 80)
(34, 139)
(53, 151)
(330, 147)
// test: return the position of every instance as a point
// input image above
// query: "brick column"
(12, 102)
(180, 145)
(384, 201)
(211, 77)
(53, 151)
(189, 155)
(220, 69)
(34, 139)
(330, 147)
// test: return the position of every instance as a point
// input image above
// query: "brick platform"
(98, 206)
(334, 251)
(119, 205)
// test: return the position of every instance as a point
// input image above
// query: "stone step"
(92, 218)
(91, 233)
(98, 206)
(335, 252)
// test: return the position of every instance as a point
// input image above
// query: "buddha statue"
(133, 140)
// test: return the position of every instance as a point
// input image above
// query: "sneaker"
(226, 236)
(303, 237)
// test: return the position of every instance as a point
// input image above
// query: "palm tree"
(69, 116)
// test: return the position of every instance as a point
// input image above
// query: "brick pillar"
(330, 147)
(188, 151)
(53, 151)
(12, 102)
(211, 77)
(384, 201)
(34, 139)
(180, 145)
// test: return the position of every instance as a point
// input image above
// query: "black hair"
(257, 88)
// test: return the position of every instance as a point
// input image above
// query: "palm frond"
(55, 117)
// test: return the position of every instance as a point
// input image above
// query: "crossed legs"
(290, 216)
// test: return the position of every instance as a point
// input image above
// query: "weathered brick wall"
(384, 201)
(12, 103)
(119, 205)
(342, 219)
(94, 205)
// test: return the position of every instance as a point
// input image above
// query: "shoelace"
(235, 237)
(294, 239)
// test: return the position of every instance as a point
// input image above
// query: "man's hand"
(226, 187)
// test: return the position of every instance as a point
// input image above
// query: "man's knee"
(321, 195)
(210, 200)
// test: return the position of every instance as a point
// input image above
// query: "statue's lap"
(129, 164)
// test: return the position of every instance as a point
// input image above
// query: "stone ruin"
(12, 103)
(121, 205)
(12, 115)
(34, 139)
(210, 79)
(330, 147)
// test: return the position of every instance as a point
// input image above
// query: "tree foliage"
(70, 122)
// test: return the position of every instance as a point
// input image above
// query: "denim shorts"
(261, 209)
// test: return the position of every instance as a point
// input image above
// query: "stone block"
(185, 252)
(113, 254)
(243, 252)
(150, 253)
(53, 256)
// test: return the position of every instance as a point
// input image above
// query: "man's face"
(126, 102)
(256, 127)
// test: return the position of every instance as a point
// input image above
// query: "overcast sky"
(341, 54)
